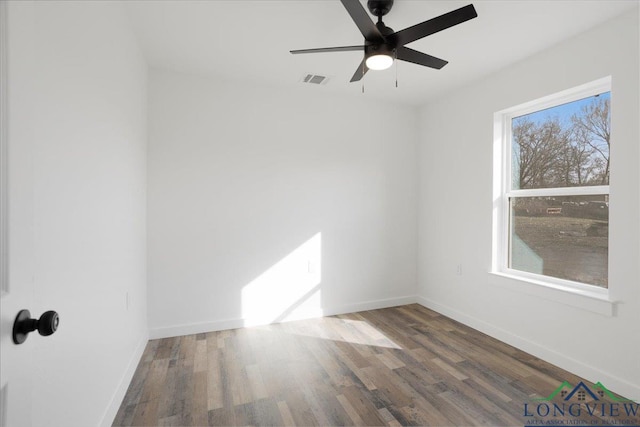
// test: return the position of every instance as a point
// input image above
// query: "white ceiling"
(250, 40)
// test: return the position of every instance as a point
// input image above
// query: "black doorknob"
(46, 325)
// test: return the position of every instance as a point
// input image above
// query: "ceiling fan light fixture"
(379, 62)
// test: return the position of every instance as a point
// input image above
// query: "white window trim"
(585, 296)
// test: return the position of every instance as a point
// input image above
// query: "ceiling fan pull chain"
(363, 76)
(395, 53)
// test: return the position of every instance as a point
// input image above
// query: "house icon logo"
(582, 393)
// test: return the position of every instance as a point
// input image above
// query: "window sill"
(593, 301)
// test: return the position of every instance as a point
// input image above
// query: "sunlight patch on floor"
(345, 330)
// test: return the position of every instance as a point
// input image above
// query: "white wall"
(247, 185)
(455, 211)
(88, 120)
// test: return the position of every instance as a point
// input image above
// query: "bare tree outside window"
(551, 150)
(592, 129)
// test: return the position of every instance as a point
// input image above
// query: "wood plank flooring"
(398, 366)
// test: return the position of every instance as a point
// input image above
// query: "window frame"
(503, 191)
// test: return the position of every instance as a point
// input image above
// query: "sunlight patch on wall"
(288, 290)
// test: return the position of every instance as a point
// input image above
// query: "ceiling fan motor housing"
(379, 49)
(379, 7)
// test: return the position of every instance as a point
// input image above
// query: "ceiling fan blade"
(362, 20)
(360, 72)
(406, 54)
(329, 49)
(434, 25)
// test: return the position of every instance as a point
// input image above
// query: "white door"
(16, 214)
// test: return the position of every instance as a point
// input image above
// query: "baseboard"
(123, 385)
(615, 384)
(220, 325)
(194, 328)
(370, 305)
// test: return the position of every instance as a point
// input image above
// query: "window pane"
(563, 237)
(562, 146)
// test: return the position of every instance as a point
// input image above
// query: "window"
(551, 188)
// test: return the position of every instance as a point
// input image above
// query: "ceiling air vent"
(314, 79)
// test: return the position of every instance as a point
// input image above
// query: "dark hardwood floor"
(397, 366)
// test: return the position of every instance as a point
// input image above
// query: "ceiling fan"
(382, 45)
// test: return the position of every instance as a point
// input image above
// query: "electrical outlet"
(459, 269)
